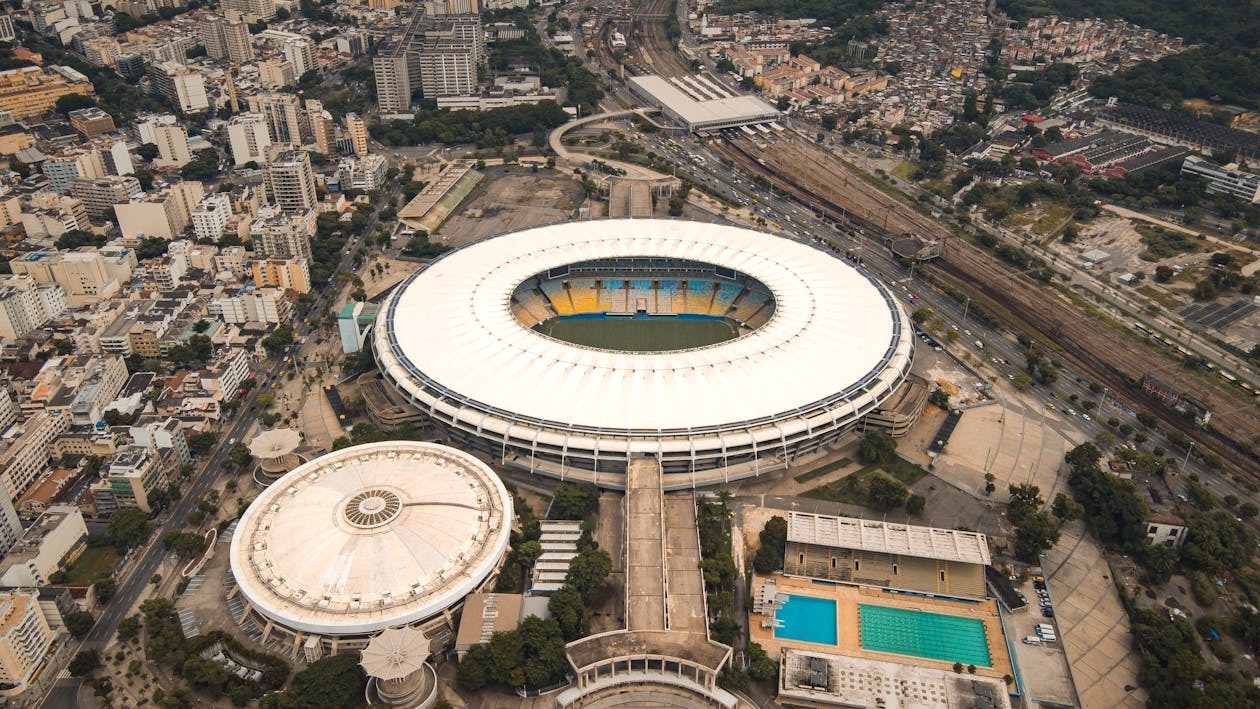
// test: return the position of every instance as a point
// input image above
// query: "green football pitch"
(659, 334)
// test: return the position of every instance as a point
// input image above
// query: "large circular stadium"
(566, 349)
(370, 537)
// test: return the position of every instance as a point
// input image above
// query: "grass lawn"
(821, 471)
(852, 488)
(639, 334)
(94, 564)
(1053, 217)
(1164, 243)
(904, 170)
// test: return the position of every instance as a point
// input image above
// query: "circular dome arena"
(370, 537)
(567, 349)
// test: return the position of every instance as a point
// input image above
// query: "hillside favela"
(661, 354)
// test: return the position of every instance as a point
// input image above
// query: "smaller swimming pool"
(808, 619)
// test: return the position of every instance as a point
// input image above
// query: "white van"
(1032, 640)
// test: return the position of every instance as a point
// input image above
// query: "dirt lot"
(511, 200)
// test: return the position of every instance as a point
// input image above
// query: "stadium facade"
(817, 345)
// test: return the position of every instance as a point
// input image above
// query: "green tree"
(769, 557)
(876, 446)
(1025, 500)
(1065, 508)
(200, 444)
(1035, 534)
(567, 608)
(885, 493)
(336, 681)
(79, 623)
(474, 668)
(1217, 543)
(574, 501)
(184, 544)
(129, 628)
(85, 662)
(915, 504)
(128, 527)
(587, 573)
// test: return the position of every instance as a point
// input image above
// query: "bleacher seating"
(558, 296)
(724, 297)
(584, 295)
(537, 302)
(612, 296)
(699, 296)
(642, 295)
(748, 305)
(670, 298)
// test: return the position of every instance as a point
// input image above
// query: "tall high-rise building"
(323, 128)
(357, 130)
(172, 143)
(249, 138)
(291, 182)
(299, 51)
(180, 86)
(25, 636)
(286, 121)
(10, 523)
(448, 69)
(26, 305)
(253, 10)
(227, 38)
(393, 80)
(62, 168)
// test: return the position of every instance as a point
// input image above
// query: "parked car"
(1047, 612)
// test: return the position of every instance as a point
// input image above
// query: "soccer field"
(655, 334)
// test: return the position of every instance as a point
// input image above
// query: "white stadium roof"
(832, 330)
(370, 537)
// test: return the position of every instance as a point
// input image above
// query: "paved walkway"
(1092, 623)
(645, 546)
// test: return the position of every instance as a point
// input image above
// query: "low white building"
(51, 544)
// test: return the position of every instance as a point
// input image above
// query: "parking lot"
(1043, 666)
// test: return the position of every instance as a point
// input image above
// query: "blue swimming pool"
(805, 618)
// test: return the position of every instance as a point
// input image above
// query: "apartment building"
(365, 173)
(82, 275)
(227, 39)
(210, 216)
(51, 544)
(172, 144)
(180, 86)
(26, 306)
(249, 138)
(291, 182)
(25, 635)
(100, 194)
(25, 452)
(164, 214)
(283, 273)
(131, 479)
(356, 129)
(66, 166)
(286, 121)
(279, 235)
(29, 92)
(91, 122)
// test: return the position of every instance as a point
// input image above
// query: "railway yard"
(1078, 338)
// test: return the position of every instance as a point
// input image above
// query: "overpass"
(563, 153)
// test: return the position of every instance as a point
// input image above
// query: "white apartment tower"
(249, 138)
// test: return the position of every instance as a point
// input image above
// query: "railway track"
(648, 33)
(1108, 357)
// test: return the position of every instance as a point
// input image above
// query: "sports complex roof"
(370, 537)
(450, 326)
(888, 538)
